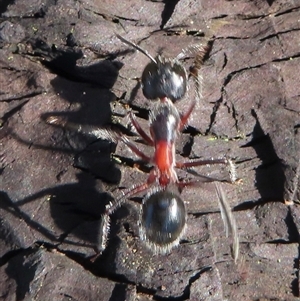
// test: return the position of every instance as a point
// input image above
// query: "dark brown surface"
(63, 58)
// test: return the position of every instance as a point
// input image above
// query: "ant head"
(163, 220)
(164, 78)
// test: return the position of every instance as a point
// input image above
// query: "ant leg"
(232, 170)
(112, 206)
(105, 133)
(200, 52)
(138, 128)
(135, 149)
(99, 133)
(195, 183)
(184, 118)
(200, 162)
(110, 209)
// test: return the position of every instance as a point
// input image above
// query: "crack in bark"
(252, 17)
(222, 16)
(287, 11)
(22, 96)
(233, 38)
(229, 76)
(13, 111)
(234, 116)
(108, 17)
(224, 62)
(194, 278)
(277, 34)
(261, 16)
(214, 114)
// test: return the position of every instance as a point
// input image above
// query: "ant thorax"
(164, 121)
(164, 127)
(164, 77)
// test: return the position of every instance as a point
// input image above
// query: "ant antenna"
(138, 48)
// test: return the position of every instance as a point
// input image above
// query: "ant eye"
(163, 220)
(165, 78)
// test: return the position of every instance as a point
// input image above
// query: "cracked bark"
(55, 183)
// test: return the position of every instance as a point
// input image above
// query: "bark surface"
(62, 58)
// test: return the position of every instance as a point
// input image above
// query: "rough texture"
(63, 58)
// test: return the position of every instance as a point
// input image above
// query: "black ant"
(163, 213)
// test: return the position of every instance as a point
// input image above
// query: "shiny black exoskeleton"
(164, 78)
(163, 220)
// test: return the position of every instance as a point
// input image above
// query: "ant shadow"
(63, 62)
(270, 177)
(76, 208)
(90, 99)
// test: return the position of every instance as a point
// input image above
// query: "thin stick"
(228, 219)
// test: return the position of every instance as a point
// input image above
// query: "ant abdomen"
(164, 78)
(163, 220)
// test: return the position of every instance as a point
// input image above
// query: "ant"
(163, 213)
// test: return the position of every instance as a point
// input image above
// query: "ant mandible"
(163, 214)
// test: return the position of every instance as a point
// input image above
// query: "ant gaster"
(163, 214)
